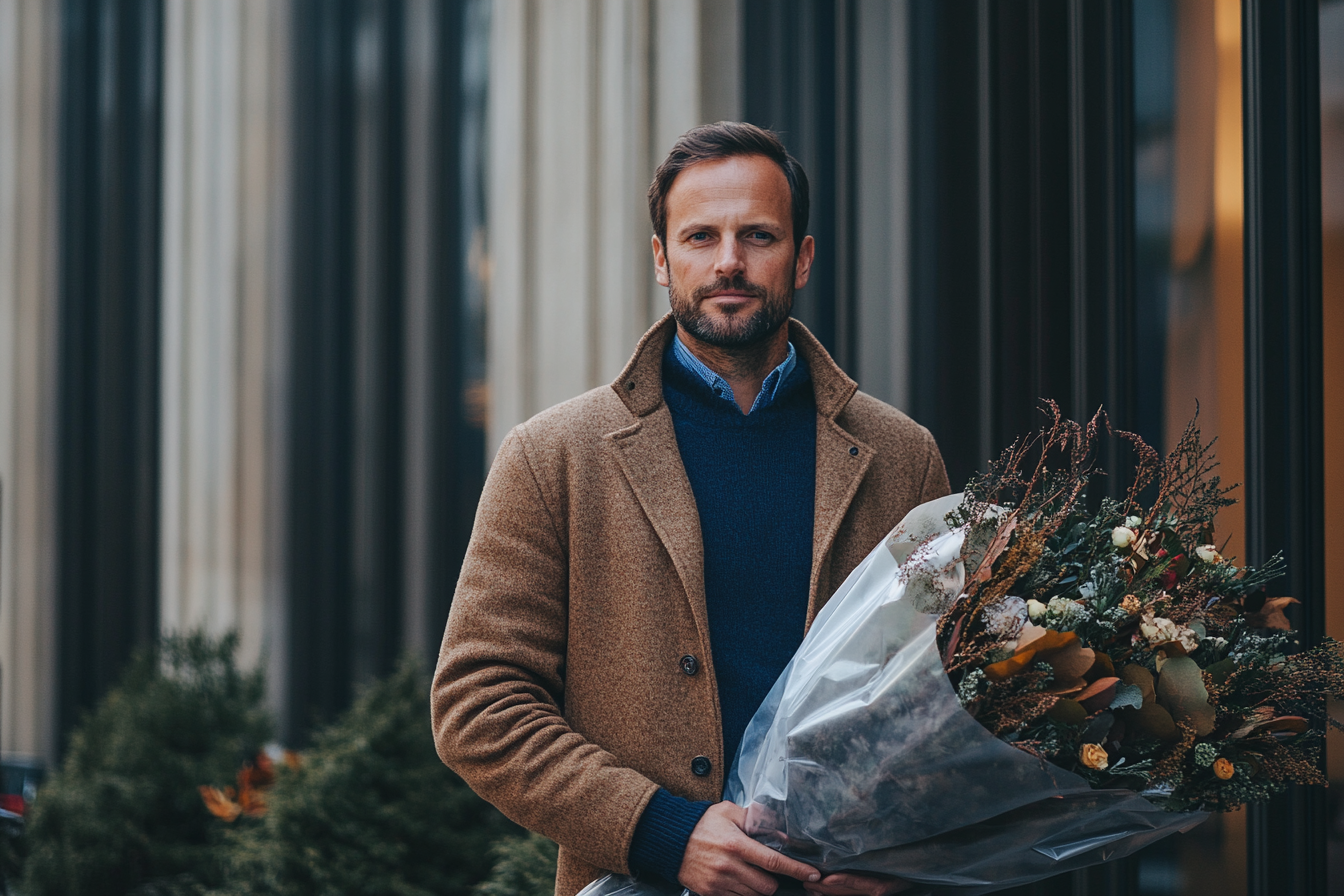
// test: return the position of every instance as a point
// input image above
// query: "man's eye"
(761, 236)
(698, 237)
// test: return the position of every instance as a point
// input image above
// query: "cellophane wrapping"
(862, 758)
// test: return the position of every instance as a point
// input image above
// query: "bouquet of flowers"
(1019, 682)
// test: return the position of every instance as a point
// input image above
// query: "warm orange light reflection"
(1229, 217)
(1204, 320)
(1332, 282)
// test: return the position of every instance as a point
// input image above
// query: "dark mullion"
(946, 283)
(1284, 440)
(108, 371)
(459, 439)
(1101, 159)
(319, 500)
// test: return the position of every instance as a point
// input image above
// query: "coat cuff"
(659, 841)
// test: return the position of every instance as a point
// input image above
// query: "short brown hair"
(723, 140)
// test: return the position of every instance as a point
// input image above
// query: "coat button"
(701, 766)
(853, 451)
(690, 665)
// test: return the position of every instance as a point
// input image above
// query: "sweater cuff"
(660, 837)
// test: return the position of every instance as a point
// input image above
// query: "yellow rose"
(1130, 604)
(1223, 769)
(1093, 756)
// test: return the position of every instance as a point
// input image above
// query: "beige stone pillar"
(29, 57)
(586, 96)
(223, 325)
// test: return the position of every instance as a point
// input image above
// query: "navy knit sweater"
(754, 479)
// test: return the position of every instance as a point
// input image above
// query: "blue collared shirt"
(720, 386)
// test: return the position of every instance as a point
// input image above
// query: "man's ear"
(660, 262)
(802, 265)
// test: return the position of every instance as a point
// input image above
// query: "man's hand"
(846, 884)
(721, 860)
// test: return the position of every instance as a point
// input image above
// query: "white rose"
(1208, 553)
(1156, 628)
(1035, 609)
(1123, 536)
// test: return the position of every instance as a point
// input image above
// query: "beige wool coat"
(560, 695)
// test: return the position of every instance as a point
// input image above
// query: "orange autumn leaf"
(252, 802)
(220, 805)
(1034, 641)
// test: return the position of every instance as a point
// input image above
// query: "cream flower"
(1208, 553)
(1123, 536)
(1134, 522)
(1035, 609)
(1156, 628)
(1093, 756)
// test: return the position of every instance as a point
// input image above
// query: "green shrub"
(524, 866)
(11, 855)
(123, 811)
(371, 810)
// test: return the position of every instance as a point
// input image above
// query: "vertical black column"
(1022, 218)
(457, 369)
(1284, 440)
(348, 503)
(947, 246)
(797, 65)
(322, 359)
(377, 404)
(108, 395)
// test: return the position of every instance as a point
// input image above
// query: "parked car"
(19, 780)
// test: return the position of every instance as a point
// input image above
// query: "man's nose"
(729, 261)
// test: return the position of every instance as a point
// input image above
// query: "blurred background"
(276, 277)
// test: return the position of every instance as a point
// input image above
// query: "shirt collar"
(720, 387)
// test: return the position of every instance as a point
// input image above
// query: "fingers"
(721, 860)
(845, 884)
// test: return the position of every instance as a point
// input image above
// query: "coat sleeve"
(498, 690)
(935, 473)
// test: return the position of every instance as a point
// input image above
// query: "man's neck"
(744, 368)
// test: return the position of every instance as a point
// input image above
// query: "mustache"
(735, 284)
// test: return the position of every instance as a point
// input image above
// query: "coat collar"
(640, 385)
(648, 455)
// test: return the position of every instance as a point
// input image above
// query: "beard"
(731, 331)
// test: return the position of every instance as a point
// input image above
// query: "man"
(646, 557)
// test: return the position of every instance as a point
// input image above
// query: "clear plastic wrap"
(861, 758)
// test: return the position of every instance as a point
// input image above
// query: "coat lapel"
(839, 473)
(648, 456)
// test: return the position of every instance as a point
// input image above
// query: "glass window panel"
(1332, 255)
(1188, 220)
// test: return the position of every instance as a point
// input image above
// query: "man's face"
(729, 263)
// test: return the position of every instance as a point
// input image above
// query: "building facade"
(277, 276)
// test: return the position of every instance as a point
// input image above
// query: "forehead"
(743, 189)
